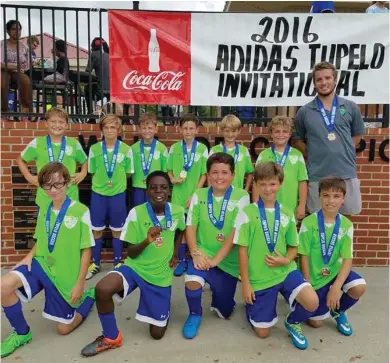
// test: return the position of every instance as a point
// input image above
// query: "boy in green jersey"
(230, 127)
(326, 252)
(187, 171)
(267, 242)
(54, 147)
(153, 231)
(210, 240)
(57, 263)
(110, 162)
(293, 193)
(149, 155)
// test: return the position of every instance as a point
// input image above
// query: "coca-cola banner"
(226, 59)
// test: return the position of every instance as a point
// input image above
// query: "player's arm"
(32, 179)
(247, 291)
(249, 180)
(304, 262)
(77, 291)
(80, 176)
(300, 145)
(27, 260)
(227, 246)
(201, 182)
(333, 297)
(175, 257)
(302, 198)
(356, 140)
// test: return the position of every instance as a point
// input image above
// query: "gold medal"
(331, 136)
(50, 260)
(109, 183)
(220, 237)
(183, 174)
(159, 241)
(325, 271)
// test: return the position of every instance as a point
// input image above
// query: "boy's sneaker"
(92, 271)
(100, 344)
(297, 337)
(181, 268)
(119, 264)
(13, 342)
(342, 322)
(191, 326)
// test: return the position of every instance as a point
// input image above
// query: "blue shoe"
(191, 326)
(181, 268)
(297, 337)
(342, 322)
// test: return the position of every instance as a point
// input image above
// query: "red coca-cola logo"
(163, 81)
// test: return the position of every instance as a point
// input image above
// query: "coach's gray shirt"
(324, 157)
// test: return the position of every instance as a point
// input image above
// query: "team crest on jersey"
(70, 221)
(156, 155)
(284, 220)
(342, 233)
(120, 157)
(240, 156)
(174, 225)
(231, 205)
(68, 150)
(293, 159)
(197, 157)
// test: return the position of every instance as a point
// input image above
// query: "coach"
(327, 130)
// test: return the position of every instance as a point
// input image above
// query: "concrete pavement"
(218, 341)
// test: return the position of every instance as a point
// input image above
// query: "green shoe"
(13, 342)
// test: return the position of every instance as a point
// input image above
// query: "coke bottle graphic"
(154, 52)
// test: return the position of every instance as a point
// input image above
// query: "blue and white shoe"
(181, 268)
(342, 322)
(297, 337)
(191, 326)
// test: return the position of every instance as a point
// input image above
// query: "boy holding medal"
(54, 264)
(153, 231)
(267, 242)
(210, 241)
(293, 192)
(187, 172)
(54, 147)
(149, 155)
(110, 161)
(326, 247)
(230, 127)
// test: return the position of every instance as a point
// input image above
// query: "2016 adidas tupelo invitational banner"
(245, 59)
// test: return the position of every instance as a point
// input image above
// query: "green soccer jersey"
(153, 263)
(182, 192)
(206, 232)
(249, 233)
(294, 173)
(309, 245)
(243, 165)
(75, 234)
(37, 150)
(124, 165)
(159, 162)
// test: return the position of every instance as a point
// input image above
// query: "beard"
(327, 93)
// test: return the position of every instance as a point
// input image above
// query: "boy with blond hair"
(55, 146)
(230, 127)
(110, 162)
(149, 155)
(293, 192)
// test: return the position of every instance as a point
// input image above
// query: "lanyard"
(146, 165)
(327, 253)
(221, 220)
(281, 161)
(236, 151)
(188, 163)
(110, 167)
(153, 217)
(329, 124)
(271, 242)
(51, 152)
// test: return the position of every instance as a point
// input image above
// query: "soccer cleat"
(13, 342)
(342, 322)
(100, 344)
(181, 268)
(119, 264)
(191, 326)
(92, 271)
(297, 337)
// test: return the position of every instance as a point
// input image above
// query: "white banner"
(266, 59)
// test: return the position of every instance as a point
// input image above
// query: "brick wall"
(371, 244)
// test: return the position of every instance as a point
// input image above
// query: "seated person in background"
(61, 76)
(34, 41)
(99, 63)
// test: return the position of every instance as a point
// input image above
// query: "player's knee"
(357, 291)
(157, 332)
(312, 304)
(262, 332)
(314, 323)
(193, 285)
(63, 329)
(103, 290)
(7, 287)
(97, 234)
(116, 234)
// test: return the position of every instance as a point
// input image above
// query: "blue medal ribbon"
(281, 161)
(156, 222)
(221, 220)
(51, 152)
(52, 237)
(146, 165)
(110, 167)
(327, 252)
(329, 124)
(188, 163)
(236, 151)
(271, 242)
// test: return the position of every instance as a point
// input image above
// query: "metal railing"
(69, 90)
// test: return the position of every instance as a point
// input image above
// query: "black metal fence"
(27, 92)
